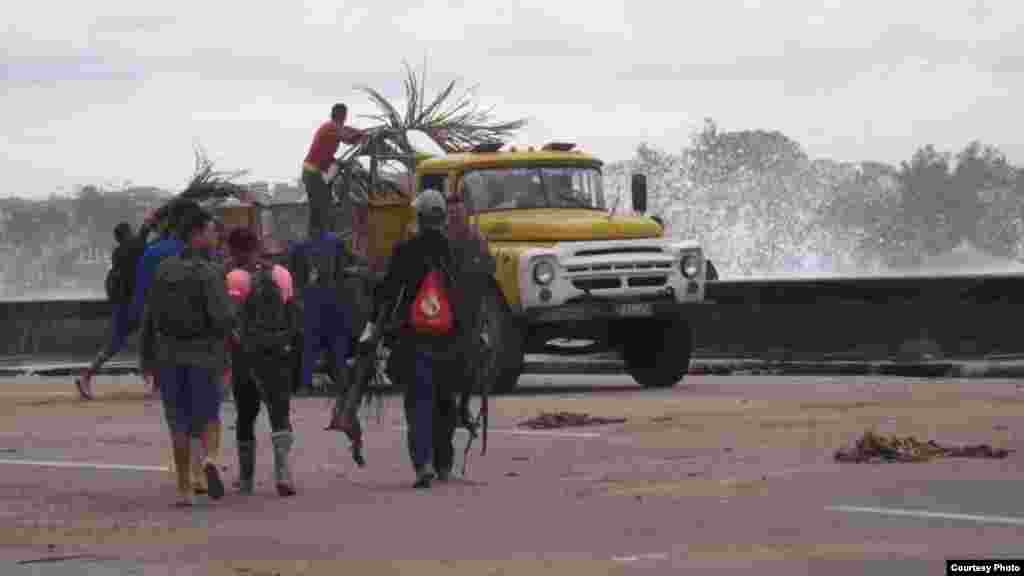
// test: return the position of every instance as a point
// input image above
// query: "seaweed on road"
(872, 447)
(549, 420)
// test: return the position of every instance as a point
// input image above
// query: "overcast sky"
(104, 91)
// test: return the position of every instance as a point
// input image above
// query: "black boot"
(246, 466)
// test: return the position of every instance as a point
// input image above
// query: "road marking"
(88, 465)
(551, 433)
(926, 514)
(658, 556)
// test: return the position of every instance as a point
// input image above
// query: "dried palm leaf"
(208, 184)
(454, 124)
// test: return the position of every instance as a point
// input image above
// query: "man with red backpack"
(419, 287)
(267, 322)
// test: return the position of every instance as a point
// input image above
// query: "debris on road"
(549, 420)
(872, 447)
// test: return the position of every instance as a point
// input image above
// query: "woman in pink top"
(263, 375)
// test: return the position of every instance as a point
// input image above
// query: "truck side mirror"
(639, 190)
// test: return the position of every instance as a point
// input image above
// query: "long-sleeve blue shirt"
(148, 263)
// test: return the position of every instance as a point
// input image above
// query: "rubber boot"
(198, 477)
(195, 448)
(211, 470)
(182, 466)
(246, 466)
(283, 441)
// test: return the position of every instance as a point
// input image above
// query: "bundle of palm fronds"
(206, 187)
(209, 185)
(455, 125)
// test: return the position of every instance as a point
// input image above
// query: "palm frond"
(387, 109)
(454, 124)
(209, 184)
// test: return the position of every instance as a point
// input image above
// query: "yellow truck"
(567, 267)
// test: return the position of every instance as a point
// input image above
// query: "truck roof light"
(559, 146)
(487, 147)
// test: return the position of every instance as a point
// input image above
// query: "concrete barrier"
(777, 320)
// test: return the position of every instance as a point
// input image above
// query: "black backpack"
(114, 284)
(181, 310)
(267, 322)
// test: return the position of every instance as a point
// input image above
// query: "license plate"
(636, 309)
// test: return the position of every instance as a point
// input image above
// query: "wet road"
(83, 485)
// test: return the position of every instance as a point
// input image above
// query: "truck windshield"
(511, 188)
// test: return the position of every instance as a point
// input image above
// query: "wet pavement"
(84, 489)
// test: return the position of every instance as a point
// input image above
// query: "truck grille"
(620, 268)
(648, 281)
(619, 250)
(588, 284)
(585, 268)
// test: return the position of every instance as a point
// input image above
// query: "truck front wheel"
(505, 338)
(657, 352)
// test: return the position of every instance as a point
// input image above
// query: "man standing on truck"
(317, 164)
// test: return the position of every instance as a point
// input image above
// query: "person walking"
(187, 317)
(264, 295)
(120, 287)
(419, 286)
(318, 267)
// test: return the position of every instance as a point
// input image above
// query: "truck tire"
(657, 353)
(505, 357)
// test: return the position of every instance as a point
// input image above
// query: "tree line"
(760, 205)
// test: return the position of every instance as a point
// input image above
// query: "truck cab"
(567, 267)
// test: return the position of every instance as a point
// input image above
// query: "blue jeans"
(430, 411)
(191, 396)
(122, 325)
(326, 326)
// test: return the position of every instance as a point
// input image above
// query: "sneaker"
(424, 476)
(84, 384)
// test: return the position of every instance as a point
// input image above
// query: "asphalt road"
(82, 488)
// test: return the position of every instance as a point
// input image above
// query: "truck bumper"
(607, 310)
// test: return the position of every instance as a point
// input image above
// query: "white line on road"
(658, 556)
(926, 514)
(88, 465)
(551, 433)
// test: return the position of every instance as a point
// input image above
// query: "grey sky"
(105, 91)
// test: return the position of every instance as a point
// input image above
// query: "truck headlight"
(690, 266)
(543, 272)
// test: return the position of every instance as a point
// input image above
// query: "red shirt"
(326, 141)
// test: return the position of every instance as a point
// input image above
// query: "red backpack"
(431, 311)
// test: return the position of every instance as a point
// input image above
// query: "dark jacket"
(126, 258)
(159, 350)
(409, 265)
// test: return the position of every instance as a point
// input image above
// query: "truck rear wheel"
(657, 352)
(505, 355)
